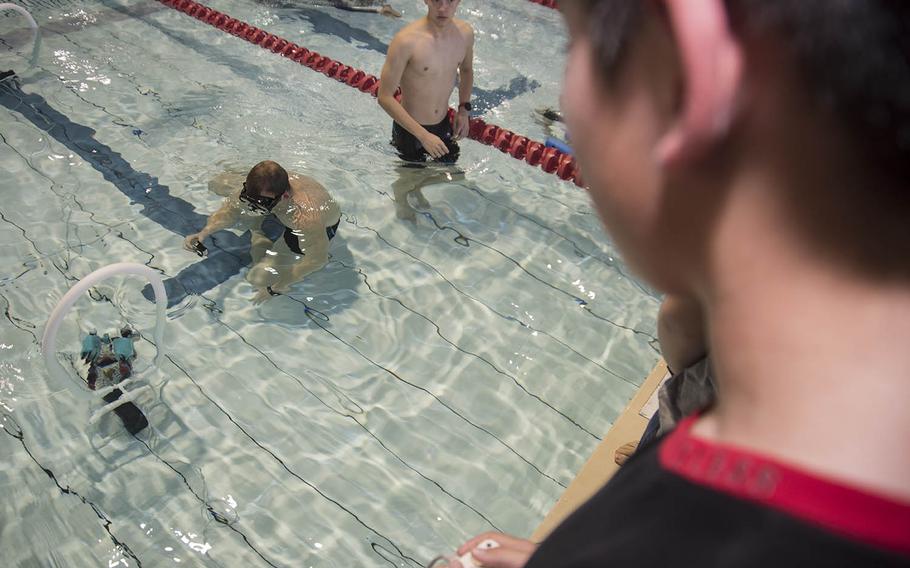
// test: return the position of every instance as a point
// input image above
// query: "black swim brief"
(411, 150)
(293, 241)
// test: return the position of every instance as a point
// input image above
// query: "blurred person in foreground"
(754, 155)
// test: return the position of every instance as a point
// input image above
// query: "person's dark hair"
(267, 179)
(854, 55)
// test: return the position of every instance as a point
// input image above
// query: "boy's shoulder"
(464, 28)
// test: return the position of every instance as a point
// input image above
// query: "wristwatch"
(466, 106)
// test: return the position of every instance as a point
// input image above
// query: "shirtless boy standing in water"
(424, 59)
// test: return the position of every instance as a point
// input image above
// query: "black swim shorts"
(411, 150)
(293, 241)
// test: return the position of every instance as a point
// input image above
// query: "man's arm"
(315, 245)
(225, 217)
(465, 86)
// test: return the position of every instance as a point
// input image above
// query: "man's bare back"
(301, 204)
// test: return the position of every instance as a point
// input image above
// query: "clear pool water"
(436, 379)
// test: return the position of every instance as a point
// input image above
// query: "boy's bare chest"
(436, 59)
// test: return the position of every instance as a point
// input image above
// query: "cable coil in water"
(551, 160)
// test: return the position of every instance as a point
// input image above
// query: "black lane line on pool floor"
(428, 392)
(226, 258)
(465, 241)
(228, 249)
(481, 243)
(579, 252)
(294, 474)
(220, 518)
(344, 415)
(73, 279)
(63, 197)
(446, 405)
(486, 361)
(215, 268)
(353, 221)
(17, 322)
(217, 516)
(90, 155)
(106, 523)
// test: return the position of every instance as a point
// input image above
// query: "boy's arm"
(395, 63)
(465, 86)
(392, 70)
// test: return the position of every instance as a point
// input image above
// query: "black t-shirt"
(682, 501)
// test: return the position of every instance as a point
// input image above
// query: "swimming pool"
(436, 379)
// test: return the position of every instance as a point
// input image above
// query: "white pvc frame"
(49, 339)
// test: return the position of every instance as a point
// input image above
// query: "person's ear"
(712, 66)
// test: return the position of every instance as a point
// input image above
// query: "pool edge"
(600, 466)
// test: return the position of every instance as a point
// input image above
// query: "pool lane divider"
(550, 160)
(548, 3)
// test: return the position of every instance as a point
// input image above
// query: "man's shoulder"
(303, 181)
(309, 189)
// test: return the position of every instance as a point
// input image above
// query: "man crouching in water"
(424, 59)
(310, 217)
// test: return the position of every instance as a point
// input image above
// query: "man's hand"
(434, 145)
(262, 296)
(624, 452)
(462, 124)
(512, 552)
(191, 241)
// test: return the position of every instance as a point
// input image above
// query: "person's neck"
(436, 29)
(811, 360)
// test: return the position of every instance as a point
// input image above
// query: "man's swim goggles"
(259, 204)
